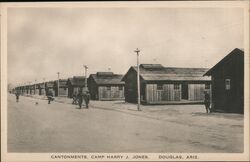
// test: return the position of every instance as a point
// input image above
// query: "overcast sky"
(42, 42)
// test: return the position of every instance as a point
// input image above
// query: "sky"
(44, 41)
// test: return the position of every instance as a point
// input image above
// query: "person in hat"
(207, 102)
(80, 98)
(50, 96)
(86, 97)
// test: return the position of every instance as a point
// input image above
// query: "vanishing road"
(60, 127)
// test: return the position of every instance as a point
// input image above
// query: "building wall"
(167, 93)
(63, 91)
(130, 90)
(229, 100)
(42, 92)
(114, 93)
(37, 91)
(196, 92)
(93, 89)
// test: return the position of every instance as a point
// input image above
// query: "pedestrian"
(80, 98)
(74, 98)
(17, 96)
(86, 97)
(50, 96)
(207, 102)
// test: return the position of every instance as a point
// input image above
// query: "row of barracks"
(161, 85)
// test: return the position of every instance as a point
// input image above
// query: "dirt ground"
(116, 126)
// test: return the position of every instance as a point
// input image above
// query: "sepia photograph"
(129, 81)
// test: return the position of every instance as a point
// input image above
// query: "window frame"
(227, 84)
(108, 88)
(176, 86)
(159, 87)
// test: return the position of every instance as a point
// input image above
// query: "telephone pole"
(138, 81)
(44, 87)
(86, 69)
(35, 88)
(58, 75)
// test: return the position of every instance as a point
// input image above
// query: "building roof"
(76, 81)
(233, 53)
(62, 83)
(107, 78)
(50, 84)
(157, 72)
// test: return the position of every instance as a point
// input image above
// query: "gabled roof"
(157, 72)
(107, 78)
(76, 81)
(233, 53)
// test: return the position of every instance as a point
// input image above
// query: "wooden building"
(63, 87)
(106, 86)
(75, 84)
(228, 83)
(36, 86)
(41, 87)
(32, 89)
(49, 86)
(164, 85)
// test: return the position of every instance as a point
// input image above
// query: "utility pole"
(58, 75)
(86, 69)
(35, 88)
(138, 81)
(44, 87)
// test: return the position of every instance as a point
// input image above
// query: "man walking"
(207, 102)
(80, 98)
(86, 97)
(74, 98)
(50, 96)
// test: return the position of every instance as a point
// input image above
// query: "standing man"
(86, 97)
(80, 98)
(17, 96)
(207, 102)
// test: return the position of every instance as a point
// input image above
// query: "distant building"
(75, 84)
(49, 86)
(166, 85)
(228, 83)
(63, 87)
(106, 86)
(36, 86)
(41, 87)
(32, 89)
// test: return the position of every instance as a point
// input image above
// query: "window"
(108, 87)
(120, 88)
(159, 86)
(227, 84)
(207, 86)
(65, 88)
(176, 86)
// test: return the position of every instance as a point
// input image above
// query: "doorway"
(184, 91)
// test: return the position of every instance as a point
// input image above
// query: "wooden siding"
(63, 91)
(167, 94)
(113, 93)
(196, 92)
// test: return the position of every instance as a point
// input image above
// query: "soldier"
(207, 102)
(86, 97)
(17, 96)
(80, 98)
(74, 98)
(50, 96)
